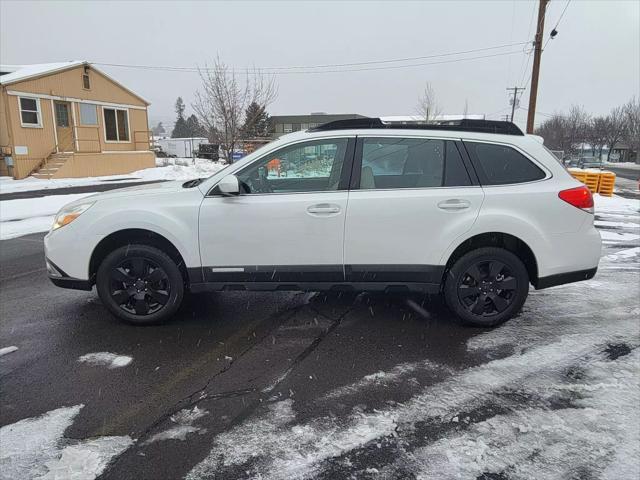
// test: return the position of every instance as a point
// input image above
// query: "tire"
(472, 287)
(140, 284)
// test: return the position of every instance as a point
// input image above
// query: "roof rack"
(464, 125)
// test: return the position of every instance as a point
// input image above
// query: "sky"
(594, 61)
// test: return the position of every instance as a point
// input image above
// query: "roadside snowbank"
(179, 169)
(32, 215)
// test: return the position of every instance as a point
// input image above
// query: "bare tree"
(614, 128)
(554, 132)
(631, 133)
(223, 100)
(577, 124)
(595, 134)
(428, 107)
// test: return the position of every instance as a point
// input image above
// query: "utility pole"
(514, 101)
(537, 53)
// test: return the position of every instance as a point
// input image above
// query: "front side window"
(116, 124)
(314, 166)
(502, 165)
(86, 83)
(30, 112)
(389, 163)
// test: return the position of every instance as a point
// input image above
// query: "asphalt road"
(359, 370)
(228, 352)
(628, 173)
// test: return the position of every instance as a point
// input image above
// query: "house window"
(30, 115)
(86, 84)
(88, 114)
(116, 124)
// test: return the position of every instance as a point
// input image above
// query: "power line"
(550, 37)
(287, 70)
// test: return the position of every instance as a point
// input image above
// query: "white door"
(287, 225)
(413, 198)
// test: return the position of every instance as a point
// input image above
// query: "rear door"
(410, 198)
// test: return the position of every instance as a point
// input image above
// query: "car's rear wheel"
(140, 284)
(486, 287)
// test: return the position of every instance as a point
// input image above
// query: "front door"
(64, 127)
(287, 224)
(411, 198)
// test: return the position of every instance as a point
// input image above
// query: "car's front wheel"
(140, 284)
(486, 287)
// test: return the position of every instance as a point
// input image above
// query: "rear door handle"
(454, 204)
(323, 209)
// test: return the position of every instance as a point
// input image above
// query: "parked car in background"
(476, 212)
(590, 162)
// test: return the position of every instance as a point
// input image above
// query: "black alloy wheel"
(486, 286)
(139, 286)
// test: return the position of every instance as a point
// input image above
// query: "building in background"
(70, 120)
(283, 124)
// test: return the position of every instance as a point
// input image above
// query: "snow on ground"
(36, 448)
(177, 169)
(31, 215)
(25, 216)
(5, 350)
(110, 360)
(557, 397)
(183, 421)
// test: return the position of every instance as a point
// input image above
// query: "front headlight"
(68, 214)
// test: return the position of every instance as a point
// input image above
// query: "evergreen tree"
(256, 122)
(194, 127)
(158, 129)
(180, 129)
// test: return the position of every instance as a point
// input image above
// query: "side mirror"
(229, 185)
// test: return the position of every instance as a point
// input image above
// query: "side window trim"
(468, 164)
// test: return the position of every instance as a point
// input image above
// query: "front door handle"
(323, 209)
(454, 204)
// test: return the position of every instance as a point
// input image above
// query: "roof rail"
(464, 125)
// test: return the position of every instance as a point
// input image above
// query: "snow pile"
(36, 448)
(183, 421)
(110, 360)
(5, 350)
(31, 215)
(179, 169)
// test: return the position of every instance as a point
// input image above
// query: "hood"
(136, 190)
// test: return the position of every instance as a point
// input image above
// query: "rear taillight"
(579, 197)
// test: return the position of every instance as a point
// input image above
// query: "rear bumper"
(568, 277)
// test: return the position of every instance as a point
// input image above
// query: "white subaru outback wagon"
(475, 210)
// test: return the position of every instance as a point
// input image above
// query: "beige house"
(70, 120)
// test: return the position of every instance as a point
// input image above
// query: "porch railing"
(142, 139)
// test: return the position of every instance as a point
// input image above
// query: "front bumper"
(60, 279)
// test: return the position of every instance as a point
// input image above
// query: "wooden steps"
(52, 165)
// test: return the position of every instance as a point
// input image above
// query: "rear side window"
(389, 163)
(502, 165)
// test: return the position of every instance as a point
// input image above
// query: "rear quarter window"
(502, 165)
